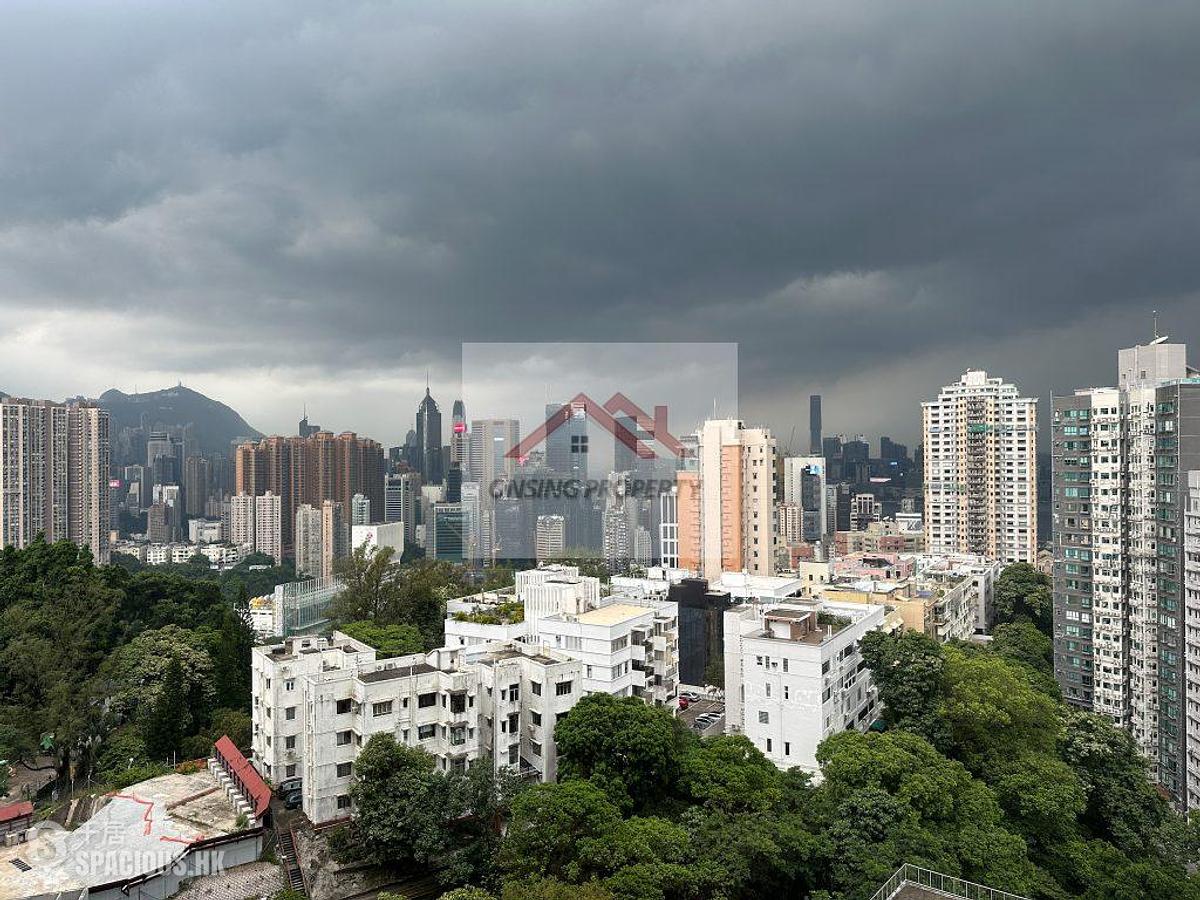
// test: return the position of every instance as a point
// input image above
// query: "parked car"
(689, 696)
(683, 702)
(288, 785)
(294, 800)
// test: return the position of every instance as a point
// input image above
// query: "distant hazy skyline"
(293, 202)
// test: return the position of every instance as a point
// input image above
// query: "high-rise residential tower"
(311, 470)
(54, 460)
(1121, 462)
(458, 435)
(980, 457)
(726, 507)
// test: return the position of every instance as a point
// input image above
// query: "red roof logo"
(655, 428)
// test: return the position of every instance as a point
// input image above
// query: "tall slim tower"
(980, 440)
(429, 439)
(814, 424)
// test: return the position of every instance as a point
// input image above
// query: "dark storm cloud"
(868, 197)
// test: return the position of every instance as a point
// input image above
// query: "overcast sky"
(288, 202)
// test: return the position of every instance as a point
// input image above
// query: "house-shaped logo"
(605, 415)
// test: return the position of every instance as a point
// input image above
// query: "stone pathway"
(258, 879)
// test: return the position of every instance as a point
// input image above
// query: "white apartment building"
(547, 590)
(241, 521)
(627, 641)
(318, 701)
(794, 676)
(980, 470)
(268, 526)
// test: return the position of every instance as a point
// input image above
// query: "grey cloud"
(849, 190)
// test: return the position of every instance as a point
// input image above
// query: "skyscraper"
(980, 440)
(1121, 458)
(488, 460)
(196, 472)
(429, 440)
(726, 507)
(310, 470)
(567, 444)
(458, 435)
(814, 424)
(54, 460)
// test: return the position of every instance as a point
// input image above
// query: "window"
(535, 748)
(563, 688)
(290, 713)
(289, 771)
(290, 684)
(343, 738)
(787, 748)
(343, 706)
(537, 718)
(343, 770)
(424, 701)
(764, 718)
(289, 742)
(514, 754)
(382, 709)
(536, 687)
(768, 745)
(425, 732)
(343, 801)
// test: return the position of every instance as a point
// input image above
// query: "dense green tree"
(372, 584)
(964, 823)
(164, 728)
(235, 723)
(138, 670)
(468, 893)
(539, 888)
(549, 824)
(908, 671)
(730, 774)
(629, 748)
(993, 712)
(1022, 592)
(402, 806)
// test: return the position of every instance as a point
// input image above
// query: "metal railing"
(948, 885)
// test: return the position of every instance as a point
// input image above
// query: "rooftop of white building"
(138, 830)
(612, 614)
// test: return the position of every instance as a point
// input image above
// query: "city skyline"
(156, 207)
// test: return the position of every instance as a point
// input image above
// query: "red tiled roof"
(16, 811)
(239, 769)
